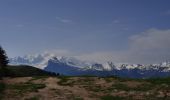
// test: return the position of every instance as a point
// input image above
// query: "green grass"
(26, 87)
(86, 81)
(148, 84)
(142, 87)
(120, 86)
(2, 88)
(158, 81)
(65, 81)
(108, 80)
(95, 88)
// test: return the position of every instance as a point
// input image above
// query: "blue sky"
(90, 29)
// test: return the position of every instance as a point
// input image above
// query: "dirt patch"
(16, 80)
(133, 84)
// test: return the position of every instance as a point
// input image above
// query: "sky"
(131, 31)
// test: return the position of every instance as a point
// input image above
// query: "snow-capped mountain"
(73, 66)
(37, 60)
(42, 61)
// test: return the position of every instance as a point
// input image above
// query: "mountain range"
(72, 66)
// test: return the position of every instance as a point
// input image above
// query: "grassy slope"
(24, 70)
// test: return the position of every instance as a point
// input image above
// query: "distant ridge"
(26, 71)
(74, 67)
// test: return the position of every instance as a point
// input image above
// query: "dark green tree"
(3, 61)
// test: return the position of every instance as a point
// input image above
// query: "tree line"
(3, 62)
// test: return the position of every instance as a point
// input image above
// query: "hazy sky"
(135, 31)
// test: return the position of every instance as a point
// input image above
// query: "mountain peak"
(74, 64)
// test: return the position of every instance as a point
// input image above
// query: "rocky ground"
(82, 88)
